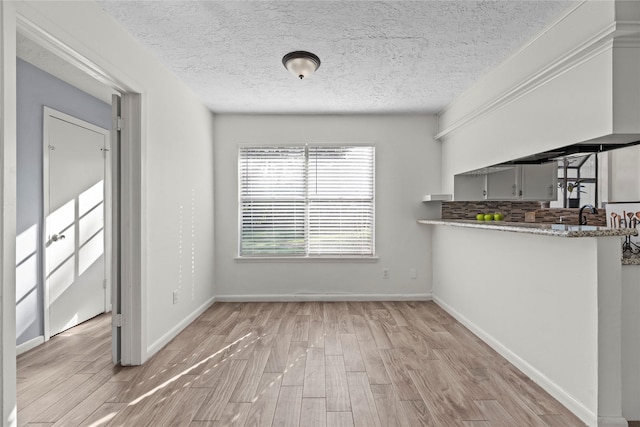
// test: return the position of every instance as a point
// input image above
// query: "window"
(578, 181)
(306, 200)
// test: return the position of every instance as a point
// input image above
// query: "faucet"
(582, 220)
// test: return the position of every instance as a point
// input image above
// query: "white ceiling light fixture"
(300, 63)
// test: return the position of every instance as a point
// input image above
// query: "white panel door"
(75, 274)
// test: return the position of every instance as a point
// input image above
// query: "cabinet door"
(540, 182)
(469, 188)
(503, 185)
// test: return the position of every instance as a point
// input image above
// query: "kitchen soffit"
(377, 56)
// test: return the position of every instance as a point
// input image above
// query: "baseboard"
(612, 422)
(536, 376)
(173, 332)
(323, 297)
(32, 343)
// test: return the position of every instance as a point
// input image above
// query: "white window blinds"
(306, 200)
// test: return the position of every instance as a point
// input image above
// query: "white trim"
(518, 52)
(616, 33)
(8, 408)
(43, 231)
(538, 377)
(307, 199)
(109, 196)
(133, 292)
(298, 143)
(28, 345)
(588, 50)
(323, 297)
(164, 340)
(633, 43)
(114, 286)
(612, 422)
(337, 259)
(47, 34)
(67, 53)
(48, 114)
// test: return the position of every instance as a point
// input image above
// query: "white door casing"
(8, 409)
(31, 22)
(48, 35)
(116, 282)
(77, 195)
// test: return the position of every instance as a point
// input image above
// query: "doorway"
(20, 17)
(77, 199)
(122, 173)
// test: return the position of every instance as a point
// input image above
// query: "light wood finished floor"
(362, 364)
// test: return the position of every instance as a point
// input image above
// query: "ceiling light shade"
(300, 63)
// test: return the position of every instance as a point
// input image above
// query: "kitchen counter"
(558, 230)
(630, 259)
(557, 293)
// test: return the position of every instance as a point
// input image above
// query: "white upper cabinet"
(503, 185)
(540, 182)
(470, 187)
(521, 182)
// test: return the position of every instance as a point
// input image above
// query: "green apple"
(488, 217)
(498, 216)
(480, 217)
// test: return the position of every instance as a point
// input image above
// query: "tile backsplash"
(512, 211)
(570, 216)
(515, 212)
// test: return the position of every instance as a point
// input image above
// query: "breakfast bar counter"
(559, 230)
(551, 306)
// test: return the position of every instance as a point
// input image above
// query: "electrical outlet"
(175, 297)
(385, 273)
(413, 273)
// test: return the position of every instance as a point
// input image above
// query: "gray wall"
(36, 89)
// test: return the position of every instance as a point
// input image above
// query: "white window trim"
(312, 258)
(373, 258)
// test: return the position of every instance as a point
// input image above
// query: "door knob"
(57, 237)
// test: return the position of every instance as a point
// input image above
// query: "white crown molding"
(627, 42)
(618, 34)
(72, 56)
(519, 51)
(627, 28)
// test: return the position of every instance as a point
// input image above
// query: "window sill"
(338, 259)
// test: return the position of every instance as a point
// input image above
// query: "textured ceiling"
(377, 56)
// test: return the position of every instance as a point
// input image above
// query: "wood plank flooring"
(356, 364)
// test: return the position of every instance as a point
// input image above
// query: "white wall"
(407, 166)
(177, 164)
(573, 83)
(631, 342)
(572, 30)
(624, 175)
(525, 297)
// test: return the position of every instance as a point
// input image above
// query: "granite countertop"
(558, 230)
(630, 259)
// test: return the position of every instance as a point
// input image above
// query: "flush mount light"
(300, 63)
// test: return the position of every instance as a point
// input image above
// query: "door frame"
(127, 272)
(8, 125)
(49, 114)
